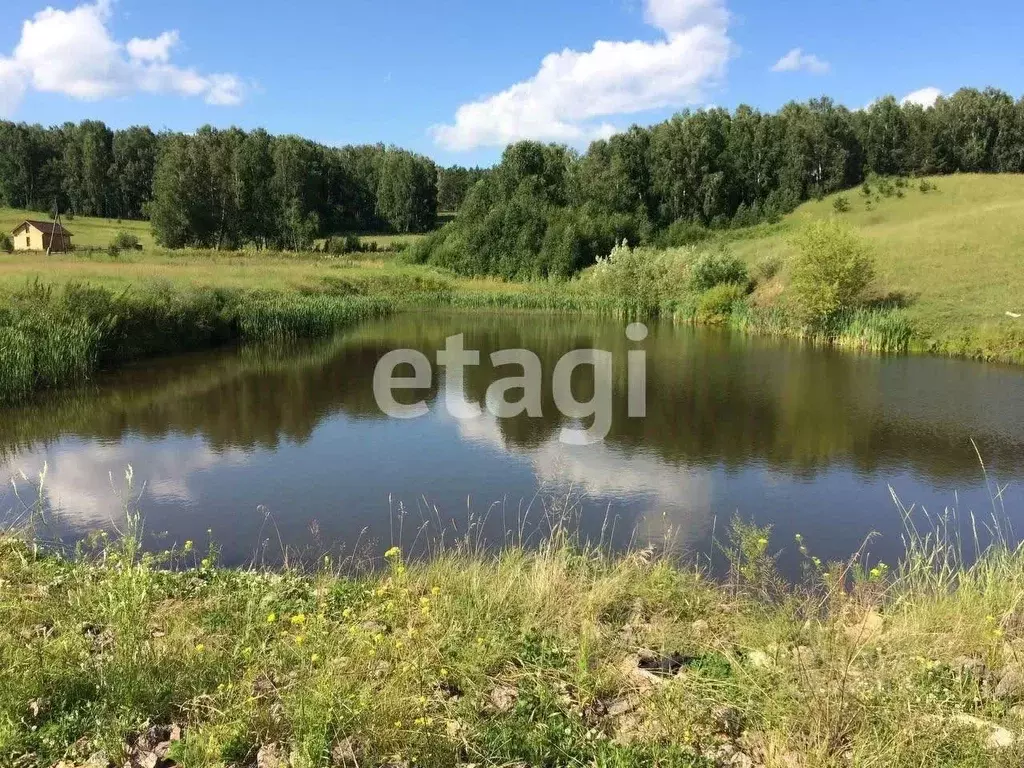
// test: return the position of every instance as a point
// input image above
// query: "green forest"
(224, 188)
(543, 211)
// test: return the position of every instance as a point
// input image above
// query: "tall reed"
(62, 337)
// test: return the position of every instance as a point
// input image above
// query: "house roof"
(46, 227)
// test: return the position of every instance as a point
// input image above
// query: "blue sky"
(393, 70)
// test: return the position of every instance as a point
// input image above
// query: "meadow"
(542, 653)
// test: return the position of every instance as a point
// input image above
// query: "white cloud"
(156, 49)
(798, 61)
(572, 89)
(926, 97)
(73, 53)
(680, 15)
(78, 479)
(12, 86)
(674, 502)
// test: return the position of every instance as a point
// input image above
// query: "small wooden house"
(41, 236)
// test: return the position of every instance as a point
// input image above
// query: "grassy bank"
(55, 337)
(556, 656)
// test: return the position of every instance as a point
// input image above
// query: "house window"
(28, 241)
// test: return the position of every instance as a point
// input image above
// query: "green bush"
(715, 268)
(341, 246)
(575, 237)
(520, 222)
(6, 243)
(767, 267)
(831, 271)
(841, 204)
(125, 241)
(640, 277)
(683, 232)
(716, 303)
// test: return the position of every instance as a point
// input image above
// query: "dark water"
(808, 440)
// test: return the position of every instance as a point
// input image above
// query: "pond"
(271, 447)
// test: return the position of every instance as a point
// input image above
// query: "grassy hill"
(955, 255)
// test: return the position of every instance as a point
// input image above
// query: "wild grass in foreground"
(552, 656)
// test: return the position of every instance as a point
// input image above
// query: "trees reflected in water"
(713, 399)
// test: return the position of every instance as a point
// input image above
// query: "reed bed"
(878, 330)
(55, 337)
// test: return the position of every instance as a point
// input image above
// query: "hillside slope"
(955, 255)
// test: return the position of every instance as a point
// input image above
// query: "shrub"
(767, 267)
(640, 276)
(421, 250)
(575, 237)
(6, 243)
(715, 268)
(832, 269)
(841, 204)
(716, 303)
(683, 232)
(125, 241)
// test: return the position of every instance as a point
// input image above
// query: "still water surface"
(808, 440)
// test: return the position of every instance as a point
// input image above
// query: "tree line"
(84, 168)
(224, 188)
(546, 210)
